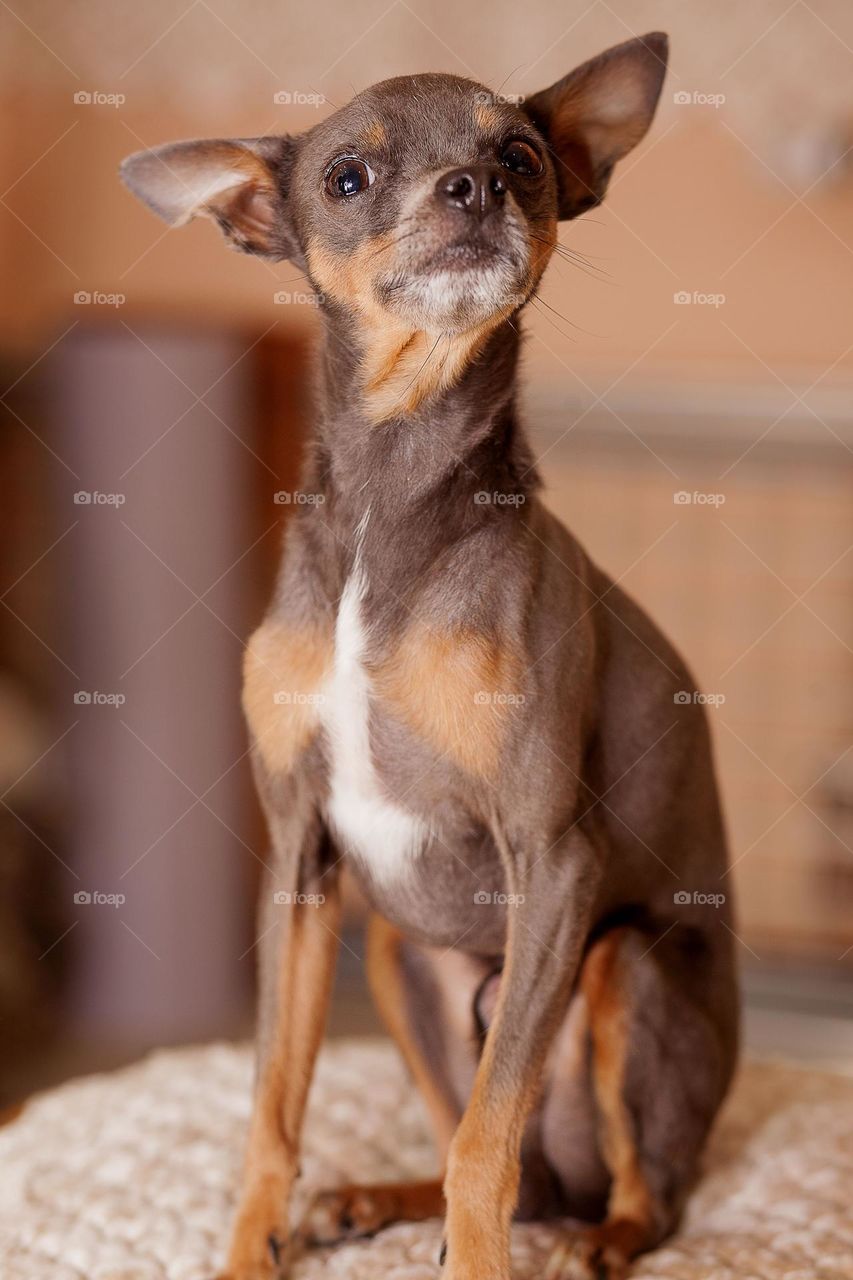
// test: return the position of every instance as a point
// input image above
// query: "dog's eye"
(519, 157)
(348, 177)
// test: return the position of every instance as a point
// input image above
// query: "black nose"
(478, 190)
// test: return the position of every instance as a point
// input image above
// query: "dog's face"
(425, 208)
(428, 197)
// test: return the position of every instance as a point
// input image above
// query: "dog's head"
(428, 205)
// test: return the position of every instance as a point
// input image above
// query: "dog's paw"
(268, 1261)
(586, 1256)
(346, 1214)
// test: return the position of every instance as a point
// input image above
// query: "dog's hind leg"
(411, 991)
(660, 1067)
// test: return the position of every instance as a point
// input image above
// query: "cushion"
(132, 1175)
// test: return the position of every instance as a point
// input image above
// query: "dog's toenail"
(347, 1223)
(442, 1253)
(274, 1246)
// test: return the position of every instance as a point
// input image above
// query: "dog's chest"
(379, 832)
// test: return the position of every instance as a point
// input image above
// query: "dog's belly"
(444, 899)
(375, 830)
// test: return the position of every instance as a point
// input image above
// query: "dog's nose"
(478, 190)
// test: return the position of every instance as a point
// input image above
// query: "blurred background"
(688, 387)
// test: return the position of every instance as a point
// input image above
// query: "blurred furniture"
(175, 441)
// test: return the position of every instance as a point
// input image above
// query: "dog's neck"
(420, 466)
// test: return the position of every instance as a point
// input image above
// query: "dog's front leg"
(547, 928)
(298, 928)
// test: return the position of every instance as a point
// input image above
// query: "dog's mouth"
(457, 285)
(463, 255)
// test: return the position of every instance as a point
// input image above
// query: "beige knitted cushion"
(131, 1176)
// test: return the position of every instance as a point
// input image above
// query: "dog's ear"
(241, 183)
(596, 114)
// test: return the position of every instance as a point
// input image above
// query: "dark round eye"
(348, 177)
(520, 157)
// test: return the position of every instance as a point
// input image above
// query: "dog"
(450, 697)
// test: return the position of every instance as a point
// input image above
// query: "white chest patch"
(383, 835)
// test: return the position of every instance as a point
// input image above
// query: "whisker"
(566, 319)
(427, 358)
(568, 336)
(575, 259)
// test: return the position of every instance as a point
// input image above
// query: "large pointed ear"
(241, 183)
(596, 114)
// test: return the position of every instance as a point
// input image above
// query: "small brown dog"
(449, 694)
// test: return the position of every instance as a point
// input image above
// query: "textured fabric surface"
(131, 1176)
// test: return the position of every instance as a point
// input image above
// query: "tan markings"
(425, 367)
(374, 135)
(600, 980)
(402, 365)
(283, 672)
(487, 116)
(386, 986)
(306, 968)
(362, 1210)
(481, 1186)
(455, 690)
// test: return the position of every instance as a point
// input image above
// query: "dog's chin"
(456, 290)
